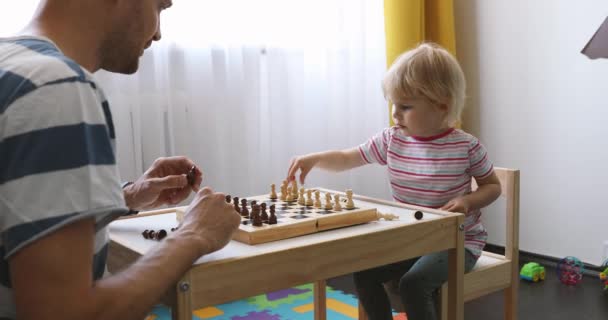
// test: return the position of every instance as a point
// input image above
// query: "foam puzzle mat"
(290, 304)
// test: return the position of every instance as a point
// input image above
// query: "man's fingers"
(169, 182)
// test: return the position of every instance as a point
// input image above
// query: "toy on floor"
(532, 271)
(604, 274)
(570, 270)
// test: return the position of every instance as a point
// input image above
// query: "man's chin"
(129, 68)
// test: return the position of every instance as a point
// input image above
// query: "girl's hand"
(304, 164)
(458, 204)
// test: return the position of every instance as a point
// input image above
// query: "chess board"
(294, 220)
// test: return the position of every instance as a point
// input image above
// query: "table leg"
(320, 300)
(181, 302)
(456, 275)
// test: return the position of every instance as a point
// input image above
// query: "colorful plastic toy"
(532, 271)
(570, 270)
(604, 275)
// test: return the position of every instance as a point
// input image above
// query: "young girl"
(430, 163)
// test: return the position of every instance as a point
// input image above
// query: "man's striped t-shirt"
(57, 162)
(431, 171)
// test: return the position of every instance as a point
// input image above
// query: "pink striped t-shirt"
(431, 171)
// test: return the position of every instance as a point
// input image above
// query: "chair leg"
(443, 302)
(510, 302)
(362, 314)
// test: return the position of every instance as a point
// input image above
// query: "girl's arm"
(332, 160)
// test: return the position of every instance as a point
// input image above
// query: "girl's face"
(419, 117)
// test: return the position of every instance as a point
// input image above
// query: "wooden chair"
(492, 272)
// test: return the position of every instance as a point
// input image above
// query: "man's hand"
(165, 182)
(458, 204)
(211, 220)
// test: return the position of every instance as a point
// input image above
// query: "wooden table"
(238, 270)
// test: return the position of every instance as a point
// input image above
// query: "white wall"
(541, 106)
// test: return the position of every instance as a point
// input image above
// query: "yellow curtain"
(410, 22)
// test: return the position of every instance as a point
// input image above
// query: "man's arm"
(52, 277)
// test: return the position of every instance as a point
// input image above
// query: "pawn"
(337, 206)
(244, 209)
(257, 220)
(273, 218)
(349, 199)
(273, 192)
(235, 200)
(283, 191)
(272, 209)
(301, 200)
(228, 198)
(328, 204)
(309, 198)
(294, 190)
(253, 202)
(317, 203)
(264, 215)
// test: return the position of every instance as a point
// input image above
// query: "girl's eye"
(405, 108)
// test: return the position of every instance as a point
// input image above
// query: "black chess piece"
(264, 215)
(273, 218)
(244, 209)
(418, 215)
(235, 200)
(228, 198)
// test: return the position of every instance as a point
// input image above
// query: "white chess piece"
(273, 192)
(349, 199)
(337, 206)
(301, 200)
(308, 197)
(317, 203)
(328, 205)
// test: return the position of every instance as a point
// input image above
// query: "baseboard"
(525, 256)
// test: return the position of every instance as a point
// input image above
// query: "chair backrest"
(509, 182)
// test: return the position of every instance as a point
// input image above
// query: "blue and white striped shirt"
(57, 162)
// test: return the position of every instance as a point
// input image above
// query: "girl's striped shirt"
(431, 171)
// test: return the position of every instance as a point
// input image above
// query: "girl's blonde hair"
(428, 71)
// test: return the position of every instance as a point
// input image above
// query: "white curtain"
(242, 86)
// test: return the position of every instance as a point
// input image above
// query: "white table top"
(127, 232)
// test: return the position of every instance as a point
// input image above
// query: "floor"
(545, 300)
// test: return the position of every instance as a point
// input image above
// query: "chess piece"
(418, 215)
(272, 209)
(309, 198)
(317, 203)
(161, 234)
(337, 206)
(294, 190)
(273, 192)
(228, 198)
(244, 209)
(273, 218)
(253, 202)
(301, 200)
(387, 216)
(349, 199)
(264, 215)
(256, 219)
(191, 175)
(284, 191)
(235, 200)
(145, 234)
(328, 205)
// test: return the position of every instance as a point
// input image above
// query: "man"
(59, 186)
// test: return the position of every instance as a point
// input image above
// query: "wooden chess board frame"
(291, 224)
